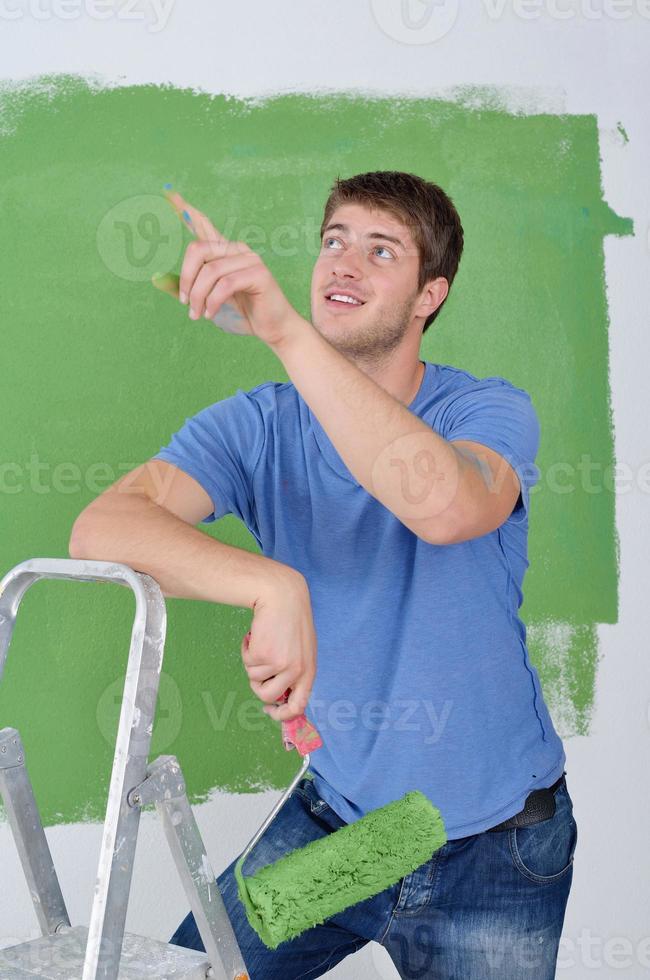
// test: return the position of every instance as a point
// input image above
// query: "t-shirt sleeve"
(502, 417)
(220, 448)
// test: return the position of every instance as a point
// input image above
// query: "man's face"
(369, 256)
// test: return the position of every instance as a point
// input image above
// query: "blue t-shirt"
(423, 676)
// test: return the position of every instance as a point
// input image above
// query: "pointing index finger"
(200, 225)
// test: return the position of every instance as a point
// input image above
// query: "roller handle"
(298, 733)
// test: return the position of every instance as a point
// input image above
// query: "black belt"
(539, 805)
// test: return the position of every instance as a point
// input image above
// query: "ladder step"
(61, 957)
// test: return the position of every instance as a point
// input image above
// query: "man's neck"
(394, 379)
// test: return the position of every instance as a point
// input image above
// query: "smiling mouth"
(340, 301)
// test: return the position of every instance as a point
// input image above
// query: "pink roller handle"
(298, 733)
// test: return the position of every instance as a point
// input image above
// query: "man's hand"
(280, 650)
(217, 271)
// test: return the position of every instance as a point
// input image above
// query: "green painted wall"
(99, 369)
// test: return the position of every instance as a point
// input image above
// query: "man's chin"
(348, 345)
(330, 329)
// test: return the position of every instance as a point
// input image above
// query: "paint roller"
(308, 885)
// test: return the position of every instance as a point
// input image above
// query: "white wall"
(573, 56)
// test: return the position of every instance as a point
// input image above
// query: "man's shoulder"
(459, 378)
(271, 387)
(272, 395)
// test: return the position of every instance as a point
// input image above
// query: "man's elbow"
(455, 528)
(77, 545)
(88, 531)
(443, 534)
(434, 532)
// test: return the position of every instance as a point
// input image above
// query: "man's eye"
(327, 240)
(382, 248)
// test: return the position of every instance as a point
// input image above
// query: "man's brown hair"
(423, 207)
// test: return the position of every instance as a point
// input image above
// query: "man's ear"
(432, 295)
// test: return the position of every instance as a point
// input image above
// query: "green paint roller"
(312, 883)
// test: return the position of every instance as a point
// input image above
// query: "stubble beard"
(373, 343)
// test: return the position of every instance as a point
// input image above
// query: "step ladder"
(103, 951)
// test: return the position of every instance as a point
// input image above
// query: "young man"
(389, 497)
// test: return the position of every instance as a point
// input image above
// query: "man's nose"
(348, 264)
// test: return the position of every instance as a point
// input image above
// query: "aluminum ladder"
(103, 951)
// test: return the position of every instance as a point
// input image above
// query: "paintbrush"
(227, 317)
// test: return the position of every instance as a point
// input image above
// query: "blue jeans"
(482, 907)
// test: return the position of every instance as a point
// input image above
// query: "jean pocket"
(307, 791)
(544, 851)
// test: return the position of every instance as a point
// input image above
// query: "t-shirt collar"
(325, 445)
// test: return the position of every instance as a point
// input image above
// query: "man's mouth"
(341, 301)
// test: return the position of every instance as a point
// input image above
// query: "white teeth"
(345, 299)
